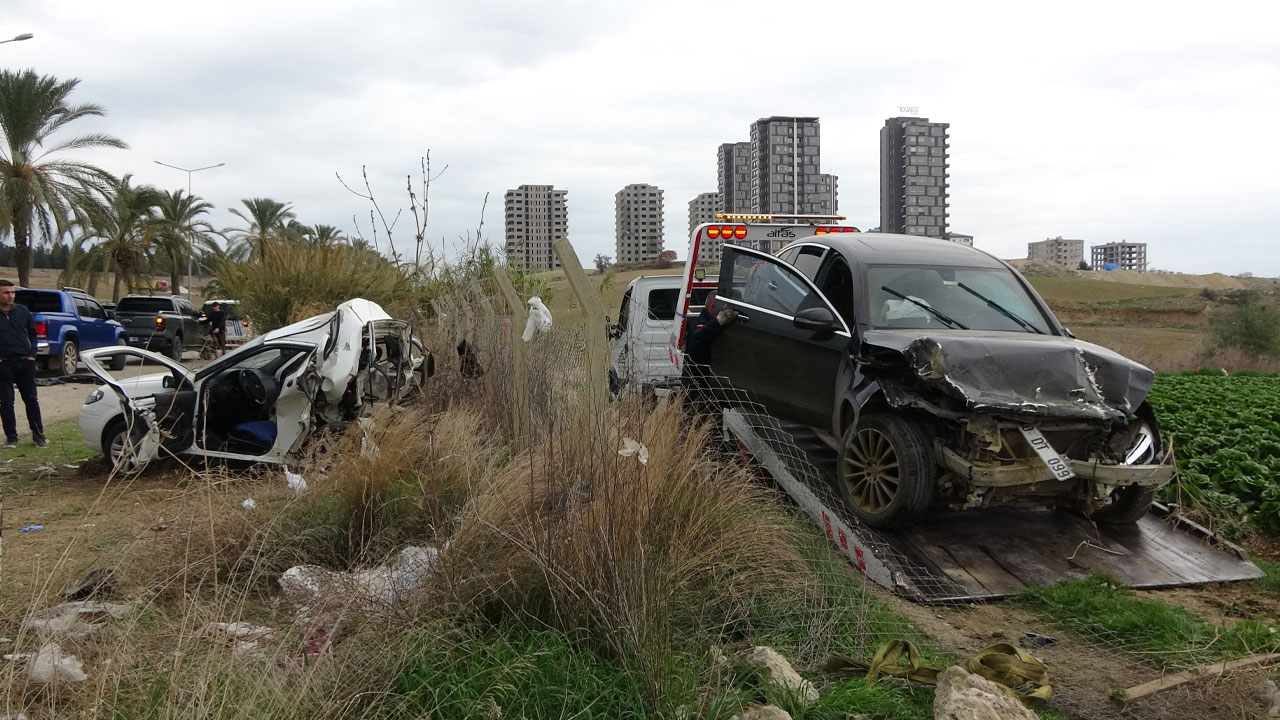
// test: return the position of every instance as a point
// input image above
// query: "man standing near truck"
(699, 382)
(18, 367)
(218, 327)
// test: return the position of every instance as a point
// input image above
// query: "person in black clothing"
(699, 382)
(218, 327)
(18, 367)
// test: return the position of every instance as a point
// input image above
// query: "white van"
(644, 353)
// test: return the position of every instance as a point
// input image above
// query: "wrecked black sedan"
(940, 376)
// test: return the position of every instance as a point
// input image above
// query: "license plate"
(1048, 455)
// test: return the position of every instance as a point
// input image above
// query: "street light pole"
(18, 38)
(190, 260)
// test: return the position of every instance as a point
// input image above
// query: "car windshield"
(145, 305)
(936, 296)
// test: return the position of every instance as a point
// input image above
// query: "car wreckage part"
(1129, 504)
(885, 472)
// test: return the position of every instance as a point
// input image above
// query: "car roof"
(890, 249)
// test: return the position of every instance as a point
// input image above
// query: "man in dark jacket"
(696, 377)
(18, 367)
(218, 327)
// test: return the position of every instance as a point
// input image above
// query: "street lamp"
(18, 38)
(190, 269)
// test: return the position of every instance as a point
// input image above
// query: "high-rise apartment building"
(535, 218)
(733, 168)
(703, 209)
(778, 172)
(1064, 251)
(914, 176)
(637, 215)
(960, 238)
(1124, 255)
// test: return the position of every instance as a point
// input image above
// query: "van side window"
(624, 311)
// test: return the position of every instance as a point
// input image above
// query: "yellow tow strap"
(1014, 671)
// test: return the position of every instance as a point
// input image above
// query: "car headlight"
(95, 396)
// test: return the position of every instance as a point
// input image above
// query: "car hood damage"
(996, 372)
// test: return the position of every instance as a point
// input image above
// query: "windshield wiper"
(926, 306)
(1000, 309)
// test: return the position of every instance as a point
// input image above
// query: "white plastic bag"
(539, 318)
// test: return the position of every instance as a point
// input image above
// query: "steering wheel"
(251, 385)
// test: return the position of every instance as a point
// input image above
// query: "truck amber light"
(159, 323)
(244, 323)
(42, 330)
(820, 231)
(713, 232)
(740, 232)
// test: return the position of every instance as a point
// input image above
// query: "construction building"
(1122, 255)
(914, 176)
(960, 238)
(1063, 251)
(535, 218)
(778, 172)
(637, 222)
(703, 209)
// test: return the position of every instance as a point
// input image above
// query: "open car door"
(788, 343)
(158, 424)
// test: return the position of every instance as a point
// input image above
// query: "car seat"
(255, 437)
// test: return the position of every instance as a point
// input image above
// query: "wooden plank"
(1214, 669)
(519, 371)
(597, 340)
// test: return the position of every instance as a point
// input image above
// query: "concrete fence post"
(519, 371)
(597, 342)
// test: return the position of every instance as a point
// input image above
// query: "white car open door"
(156, 423)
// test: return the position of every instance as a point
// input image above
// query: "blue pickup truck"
(69, 321)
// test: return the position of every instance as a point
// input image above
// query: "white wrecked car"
(260, 402)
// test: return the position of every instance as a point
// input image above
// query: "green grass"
(65, 448)
(1104, 613)
(1075, 289)
(1270, 581)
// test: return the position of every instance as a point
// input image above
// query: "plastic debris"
(539, 318)
(31, 528)
(634, 447)
(249, 504)
(50, 665)
(76, 619)
(295, 482)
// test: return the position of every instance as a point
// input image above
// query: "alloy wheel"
(872, 471)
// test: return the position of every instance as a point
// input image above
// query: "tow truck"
(983, 547)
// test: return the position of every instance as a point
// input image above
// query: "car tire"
(114, 443)
(884, 470)
(117, 363)
(175, 350)
(1130, 504)
(69, 359)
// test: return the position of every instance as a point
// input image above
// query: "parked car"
(260, 402)
(239, 329)
(68, 321)
(939, 374)
(160, 322)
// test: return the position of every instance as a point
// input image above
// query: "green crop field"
(1225, 431)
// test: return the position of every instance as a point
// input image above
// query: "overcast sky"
(1148, 122)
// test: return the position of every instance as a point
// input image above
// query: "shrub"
(1250, 327)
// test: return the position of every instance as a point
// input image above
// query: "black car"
(940, 375)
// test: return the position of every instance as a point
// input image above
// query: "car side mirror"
(111, 314)
(816, 319)
(169, 382)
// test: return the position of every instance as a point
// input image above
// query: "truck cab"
(69, 321)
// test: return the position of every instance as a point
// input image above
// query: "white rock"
(50, 665)
(780, 671)
(249, 504)
(763, 712)
(382, 585)
(961, 695)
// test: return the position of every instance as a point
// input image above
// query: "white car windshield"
(928, 296)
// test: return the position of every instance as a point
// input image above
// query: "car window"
(94, 309)
(37, 301)
(789, 256)
(922, 296)
(269, 360)
(807, 260)
(764, 283)
(82, 307)
(145, 304)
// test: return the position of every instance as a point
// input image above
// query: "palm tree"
(181, 234)
(265, 218)
(40, 193)
(325, 236)
(126, 228)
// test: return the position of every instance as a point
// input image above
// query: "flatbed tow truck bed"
(961, 556)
